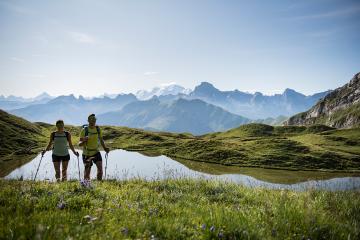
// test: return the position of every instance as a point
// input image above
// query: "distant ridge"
(340, 108)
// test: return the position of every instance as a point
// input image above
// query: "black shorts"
(92, 159)
(56, 158)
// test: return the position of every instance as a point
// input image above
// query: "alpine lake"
(122, 165)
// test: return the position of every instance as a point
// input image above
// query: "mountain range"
(256, 105)
(340, 108)
(171, 108)
(72, 110)
(194, 116)
(166, 89)
(13, 102)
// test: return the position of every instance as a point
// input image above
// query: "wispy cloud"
(331, 14)
(168, 84)
(16, 59)
(81, 37)
(150, 73)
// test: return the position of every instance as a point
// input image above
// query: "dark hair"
(59, 121)
(91, 115)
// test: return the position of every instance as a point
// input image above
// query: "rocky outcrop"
(340, 108)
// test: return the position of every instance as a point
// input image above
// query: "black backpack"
(53, 135)
(86, 128)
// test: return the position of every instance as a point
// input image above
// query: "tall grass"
(173, 209)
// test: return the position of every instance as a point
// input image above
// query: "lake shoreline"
(174, 157)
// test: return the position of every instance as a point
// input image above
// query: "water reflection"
(125, 165)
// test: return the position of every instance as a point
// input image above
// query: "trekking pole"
(106, 158)
(37, 170)
(78, 167)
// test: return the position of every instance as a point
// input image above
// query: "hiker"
(60, 153)
(90, 137)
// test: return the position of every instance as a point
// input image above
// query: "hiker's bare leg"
(64, 170)
(99, 170)
(57, 170)
(87, 171)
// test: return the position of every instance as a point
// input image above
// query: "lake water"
(126, 165)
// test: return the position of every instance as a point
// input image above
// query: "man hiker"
(60, 153)
(90, 137)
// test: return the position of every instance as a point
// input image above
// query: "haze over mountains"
(167, 108)
(14, 102)
(181, 115)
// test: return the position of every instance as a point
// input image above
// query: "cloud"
(331, 14)
(150, 73)
(82, 37)
(168, 84)
(16, 59)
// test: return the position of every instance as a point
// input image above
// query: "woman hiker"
(60, 152)
(90, 137)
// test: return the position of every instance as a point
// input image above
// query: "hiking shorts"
(92, 159)
(56, 158)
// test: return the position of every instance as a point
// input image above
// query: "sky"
(89, 47)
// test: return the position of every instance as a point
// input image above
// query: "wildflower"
(61, 205)
(86, 183)
(124, 231)
(203, 227)
(212, 228)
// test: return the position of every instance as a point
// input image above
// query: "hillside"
(315, 147)
(252, 145)
(340, 108)
(18, 135)
(194, 116)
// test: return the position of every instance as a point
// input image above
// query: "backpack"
(86, 128)
(53, 135)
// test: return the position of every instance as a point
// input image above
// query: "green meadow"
(173, 209)
(185, 208)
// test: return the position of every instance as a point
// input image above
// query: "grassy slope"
(22, 140)
(252, 145)
(17, 134)
(173, 209)
(255, 145)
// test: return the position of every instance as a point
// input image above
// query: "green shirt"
(91, 147)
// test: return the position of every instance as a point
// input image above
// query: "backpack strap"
(52, 136)
(86, 131)
(67, 134)
(98, 131)
(86, 128)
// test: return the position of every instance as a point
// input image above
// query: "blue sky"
(91, 47)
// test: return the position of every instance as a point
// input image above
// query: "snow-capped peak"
(163, 89)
